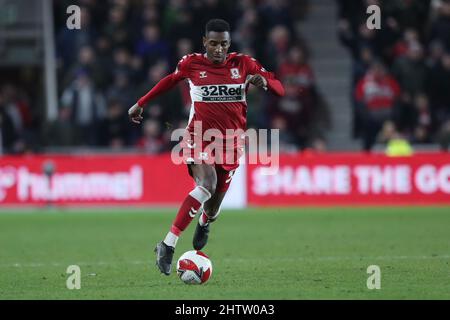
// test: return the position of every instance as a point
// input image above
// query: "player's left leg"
(211, 208)
(208, 213)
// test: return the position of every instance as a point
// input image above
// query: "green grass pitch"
(302, 253)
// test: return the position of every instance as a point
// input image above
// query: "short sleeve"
(182, 70)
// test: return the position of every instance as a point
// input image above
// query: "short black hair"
(217, 25)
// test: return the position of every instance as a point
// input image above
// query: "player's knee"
(209, 183)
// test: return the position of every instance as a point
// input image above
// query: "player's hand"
(258, 81)
(135, 113)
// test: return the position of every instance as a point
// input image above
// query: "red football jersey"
(218, 91)
(218, 95)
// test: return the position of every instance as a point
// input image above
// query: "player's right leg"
(206, 179)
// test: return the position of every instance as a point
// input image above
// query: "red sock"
(189, 209)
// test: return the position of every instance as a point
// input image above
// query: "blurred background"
(352, 94)
(348, 88)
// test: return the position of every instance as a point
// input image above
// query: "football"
(194, 267)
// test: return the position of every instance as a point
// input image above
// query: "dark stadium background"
(321, 50)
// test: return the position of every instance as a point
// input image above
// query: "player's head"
(217, 40)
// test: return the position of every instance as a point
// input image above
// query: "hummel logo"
(202, 74)
(192, 212)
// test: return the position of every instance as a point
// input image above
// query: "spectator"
(121, 48)
(171, 14)
(360, 67)
(408, 14)
(116, 29)
(178, 22)
(87, 108)
(184, 46)
(8, 135)
(18, 108)
(408, 41)
(151, 141)
(167, 108)
(151, 47)
(70, 42)
(61, 132)
(361, 38)
(114, 127)
(362, 63)
(87, 61)
(18, 112)
(277, 46)
(276, 12)
(440, 28)
(436, 52)
(376, 94)
(438, 88)
(297, 74)
(294, 113)
(422, 125)
(137, 71)
(411, 71)
(413, 44)
(415, 119)
(287, 141)
(122, 61)
(444, 136)
(396, 144)
(245, 34)
(121, 90)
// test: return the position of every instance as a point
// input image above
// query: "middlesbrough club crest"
(235, 73)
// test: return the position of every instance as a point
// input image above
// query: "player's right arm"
(164, 85)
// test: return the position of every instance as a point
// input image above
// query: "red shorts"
(223, 154)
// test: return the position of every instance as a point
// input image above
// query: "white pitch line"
(151, 262)
(338, 258)
(60, 264)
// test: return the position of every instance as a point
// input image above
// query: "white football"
(194, 267)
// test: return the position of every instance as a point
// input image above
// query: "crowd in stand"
(18, 124)
(401, 72)
(125, 47)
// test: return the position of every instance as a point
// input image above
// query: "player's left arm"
(262, 78)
